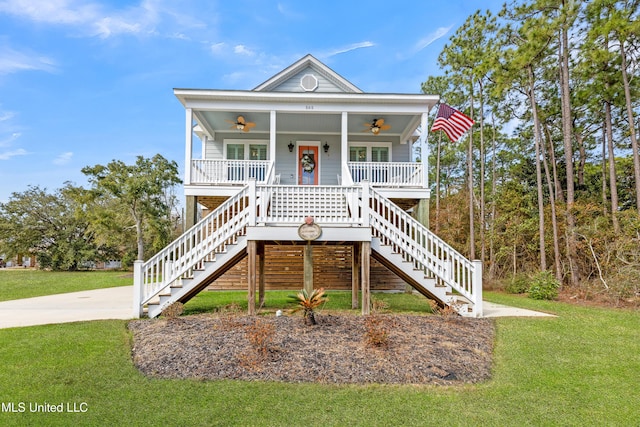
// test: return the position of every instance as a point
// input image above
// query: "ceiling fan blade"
(241, 120)
(378, 122)
(385, 127)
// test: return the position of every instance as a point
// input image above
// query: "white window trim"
(369, 144)
(246, 143)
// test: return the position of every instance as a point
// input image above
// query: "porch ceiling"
(308, 123)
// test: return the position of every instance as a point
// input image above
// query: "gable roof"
(312, 65)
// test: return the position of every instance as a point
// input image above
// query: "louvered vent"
(309, 82)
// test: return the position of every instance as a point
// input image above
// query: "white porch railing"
(424, 249)
(387, 174)
(281, 204)
(198, 244)
(267, 205)
(225, 172)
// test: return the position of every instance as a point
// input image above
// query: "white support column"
(344, 145)
(189, 146)
(477, 288)
(203, 154)
(138, 289)
(424, 148)
(253, 209)
(365, 203)
(272, 136)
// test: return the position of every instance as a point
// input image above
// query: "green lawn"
(581, 368)
(27, 283)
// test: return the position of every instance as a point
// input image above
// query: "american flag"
(452, 122)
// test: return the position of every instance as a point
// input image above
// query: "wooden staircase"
(219, 241)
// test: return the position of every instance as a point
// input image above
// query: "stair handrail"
(196, 245)
(423, 248)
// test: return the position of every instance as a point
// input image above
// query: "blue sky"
(84, 82)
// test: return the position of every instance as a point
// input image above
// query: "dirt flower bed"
(339, 349)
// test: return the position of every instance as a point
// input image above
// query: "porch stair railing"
(213, 244)
(432, 266)
(219, 241)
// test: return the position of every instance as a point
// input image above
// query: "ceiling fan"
(376, 126)
(241, 124)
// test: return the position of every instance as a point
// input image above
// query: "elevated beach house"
(306, 181)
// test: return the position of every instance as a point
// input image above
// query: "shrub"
(447, 311)
(519, 284)
(309, 303)
(260, 334)
(173, 311)
(544, 286)
(378, 305)
(376, 331)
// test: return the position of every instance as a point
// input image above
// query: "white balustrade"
(424, 249)
(387, 174)
(292, 204)
(198, 244)
(267, 205)
(207, 171)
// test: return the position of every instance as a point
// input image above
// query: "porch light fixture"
(290, 146)
(240, 126)
(325, 147)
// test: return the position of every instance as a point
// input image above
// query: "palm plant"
(308, 303)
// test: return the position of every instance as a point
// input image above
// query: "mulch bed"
(341, 348)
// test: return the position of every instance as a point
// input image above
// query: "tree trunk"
(139, 239)
(582, 159)
(537, 139)
(565, 98)
(605, 211)
(554, 219)
(632, 128)
(552, 157)
(492, 254)
(613, 184)
(483, 246)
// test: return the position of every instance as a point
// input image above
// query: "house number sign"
(309, 230)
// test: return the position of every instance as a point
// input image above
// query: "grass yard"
(27, 283)
(581, 368)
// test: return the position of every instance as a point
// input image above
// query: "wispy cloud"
(13, 61)
(93, 18)
(288, 13)
(9, 154)
(63, 158)
(430, 38)
(6, 115)
(7, 142)
(243, 50)
(349, 48)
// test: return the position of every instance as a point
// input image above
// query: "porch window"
(379, 154)
(240, 156)
(258, 152)
(357, 154)
(235, 151)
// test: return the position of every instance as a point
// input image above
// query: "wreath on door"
(308, 165)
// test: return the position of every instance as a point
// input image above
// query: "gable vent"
(309, 82)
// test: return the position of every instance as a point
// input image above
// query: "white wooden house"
(307, 161)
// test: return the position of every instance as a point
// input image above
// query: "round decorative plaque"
(309, 230)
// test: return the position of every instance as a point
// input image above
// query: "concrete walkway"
(99, 304)
(491, 309)
(117, 303)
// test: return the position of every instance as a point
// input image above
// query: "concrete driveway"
(117, 303)
(99, 304)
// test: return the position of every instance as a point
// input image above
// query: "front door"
(308, 167)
